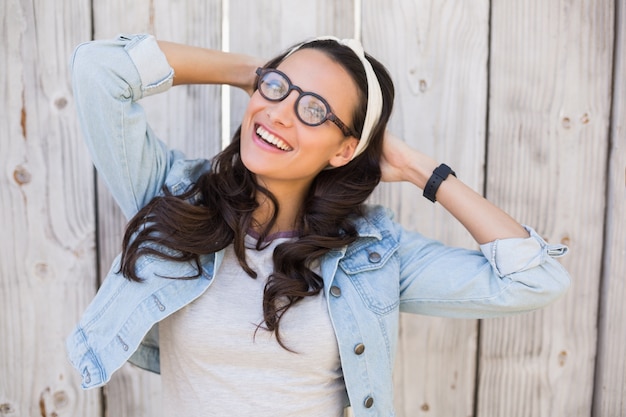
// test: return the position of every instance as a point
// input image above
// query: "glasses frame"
(330, 115)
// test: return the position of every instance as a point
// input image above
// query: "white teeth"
(270, 138)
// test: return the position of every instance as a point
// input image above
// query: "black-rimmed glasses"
(311, 108)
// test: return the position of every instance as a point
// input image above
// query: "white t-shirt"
(213, 364)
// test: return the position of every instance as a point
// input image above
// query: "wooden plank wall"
(526, 99)
(440, 76)
(47, 261)
(549, 113)
(610, 389)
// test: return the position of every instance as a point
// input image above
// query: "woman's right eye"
(274, 88)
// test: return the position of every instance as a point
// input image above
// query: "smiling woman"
(275, 289)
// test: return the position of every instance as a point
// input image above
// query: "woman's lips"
(272, 139)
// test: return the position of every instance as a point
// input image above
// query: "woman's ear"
(345, 152)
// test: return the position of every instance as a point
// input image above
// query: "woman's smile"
(271, 139)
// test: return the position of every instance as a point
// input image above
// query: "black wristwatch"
(439, 175)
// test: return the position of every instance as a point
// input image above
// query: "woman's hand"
(400, 162)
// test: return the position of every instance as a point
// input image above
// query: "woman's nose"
(283, 112)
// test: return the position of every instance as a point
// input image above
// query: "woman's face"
(298, 152)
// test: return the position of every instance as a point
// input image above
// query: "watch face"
(443, 171)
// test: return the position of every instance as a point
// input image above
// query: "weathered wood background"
(526, 99)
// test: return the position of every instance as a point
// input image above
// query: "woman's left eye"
(313, 112)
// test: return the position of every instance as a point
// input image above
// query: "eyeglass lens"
(311, 109)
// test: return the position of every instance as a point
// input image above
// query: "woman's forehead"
(312, 64)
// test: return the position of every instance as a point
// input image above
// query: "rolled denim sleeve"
(108, 77)
(155, 72)
(505, 277)
(508, 256)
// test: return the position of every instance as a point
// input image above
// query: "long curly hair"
(217, 210)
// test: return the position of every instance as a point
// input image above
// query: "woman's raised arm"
(482, 219)
(196, 65)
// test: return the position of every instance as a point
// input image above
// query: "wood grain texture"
(610, 384)
(47, 266)
(550, 80)
(437, 55)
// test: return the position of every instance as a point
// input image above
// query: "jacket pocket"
(373, 270)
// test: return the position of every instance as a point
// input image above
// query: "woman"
(259, 282)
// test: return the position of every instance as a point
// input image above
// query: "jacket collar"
(369, 226)
(372, 222)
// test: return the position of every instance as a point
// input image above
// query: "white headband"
(374, 94)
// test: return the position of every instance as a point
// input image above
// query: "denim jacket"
(388, 269)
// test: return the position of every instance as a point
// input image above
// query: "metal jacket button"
(374, 257)
(369, 402)
(335, 291)
(359, 349)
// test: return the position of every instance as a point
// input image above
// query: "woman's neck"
(290, 200)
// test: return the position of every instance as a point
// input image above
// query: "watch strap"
(432, 185)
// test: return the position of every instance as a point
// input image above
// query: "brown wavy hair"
(218, 208)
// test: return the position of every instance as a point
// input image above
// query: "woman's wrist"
(244, 72)
(401, 162)
(420, 168)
